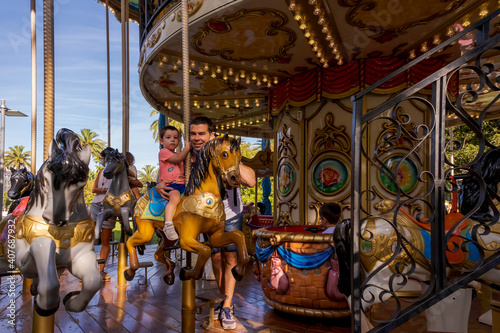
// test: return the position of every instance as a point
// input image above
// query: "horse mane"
(199, 171)
(64, 163)
(489, 169)
(116, 155)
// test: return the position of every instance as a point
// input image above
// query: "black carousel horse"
(21, 184)
(119, 200)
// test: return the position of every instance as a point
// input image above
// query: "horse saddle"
(457, 257)
(155, 208)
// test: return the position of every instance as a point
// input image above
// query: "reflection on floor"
(156, 307)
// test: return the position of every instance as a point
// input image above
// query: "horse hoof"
(140, 249)
(182, 273)
(169, 278)
(69, 295)
(236, 275)
(44, 313)
(128, 277)
(97, 241)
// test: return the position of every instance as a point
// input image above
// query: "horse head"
(223, 153)
(59, 187)
(227, 157)
(21, 183)
(114, 163)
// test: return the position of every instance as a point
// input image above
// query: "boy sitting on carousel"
(171, 174)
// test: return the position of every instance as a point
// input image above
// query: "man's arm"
(163, 189)
(247, 176)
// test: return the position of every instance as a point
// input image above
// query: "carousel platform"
(153, 306)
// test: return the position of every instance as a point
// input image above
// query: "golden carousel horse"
(56, 229)
(200, 211)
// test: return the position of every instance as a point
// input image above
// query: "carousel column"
(122, 250)
(188, 286)
(40, 323)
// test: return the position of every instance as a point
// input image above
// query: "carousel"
(360, 99)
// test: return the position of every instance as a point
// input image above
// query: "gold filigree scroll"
(193, 7)
(154, 38)
(264, 30)
(286, 145)
(331, 138)
(285, 218)
(389, 132)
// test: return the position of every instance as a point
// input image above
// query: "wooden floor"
(155, 307)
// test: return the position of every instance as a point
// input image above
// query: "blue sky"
(80, 76)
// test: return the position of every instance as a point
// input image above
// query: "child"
(171, 174)
(329, 215)
(134, 183)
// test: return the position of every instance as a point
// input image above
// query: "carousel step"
(210, 298)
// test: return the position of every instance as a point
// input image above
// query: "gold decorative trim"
(193, 7)
(154, 38)
(278, 237)
(308, 312)
(65, 237)
(331, 138)
(116, 202)
(204, 204)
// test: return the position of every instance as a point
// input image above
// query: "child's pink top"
(172, 173)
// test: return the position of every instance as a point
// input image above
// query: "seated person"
(134, 183)
(329, 216)
(171, 174)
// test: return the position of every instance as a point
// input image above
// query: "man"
(201, 130)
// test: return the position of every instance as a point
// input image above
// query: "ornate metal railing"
(409, 163)
(149, 11)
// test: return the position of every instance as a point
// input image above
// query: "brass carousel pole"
(122, 250)
(46, 324)
(188, 286)
(27, 282)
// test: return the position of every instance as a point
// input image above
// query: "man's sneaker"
(219, 307)
(227, 319)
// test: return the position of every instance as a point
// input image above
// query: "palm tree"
(154, 125)
(17, 158)
(89, 137)
(147, 174)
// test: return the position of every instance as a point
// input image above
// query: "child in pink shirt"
(171, 173)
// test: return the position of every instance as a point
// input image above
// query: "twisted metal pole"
(48, 74)
(33, 86)
(188, 286)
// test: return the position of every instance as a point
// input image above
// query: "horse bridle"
(225, 172)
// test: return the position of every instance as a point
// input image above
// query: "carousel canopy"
(251, 59)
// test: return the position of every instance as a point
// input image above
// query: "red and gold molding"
(351, 78)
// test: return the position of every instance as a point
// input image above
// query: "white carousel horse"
(57, 230)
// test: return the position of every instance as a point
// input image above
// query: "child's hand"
(188, 145)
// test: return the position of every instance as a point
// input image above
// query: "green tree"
(87, 190)
(470, 143)
(147, 174)
(89, 137)
(249, 150)
(16, 157)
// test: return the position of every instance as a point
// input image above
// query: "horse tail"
(342, 243)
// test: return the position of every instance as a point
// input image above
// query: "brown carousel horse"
(200, 211)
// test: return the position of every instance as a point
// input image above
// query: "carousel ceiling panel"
(241, 49)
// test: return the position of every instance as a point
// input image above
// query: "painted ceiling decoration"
(250, 59)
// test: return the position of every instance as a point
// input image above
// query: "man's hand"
(163, 189)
